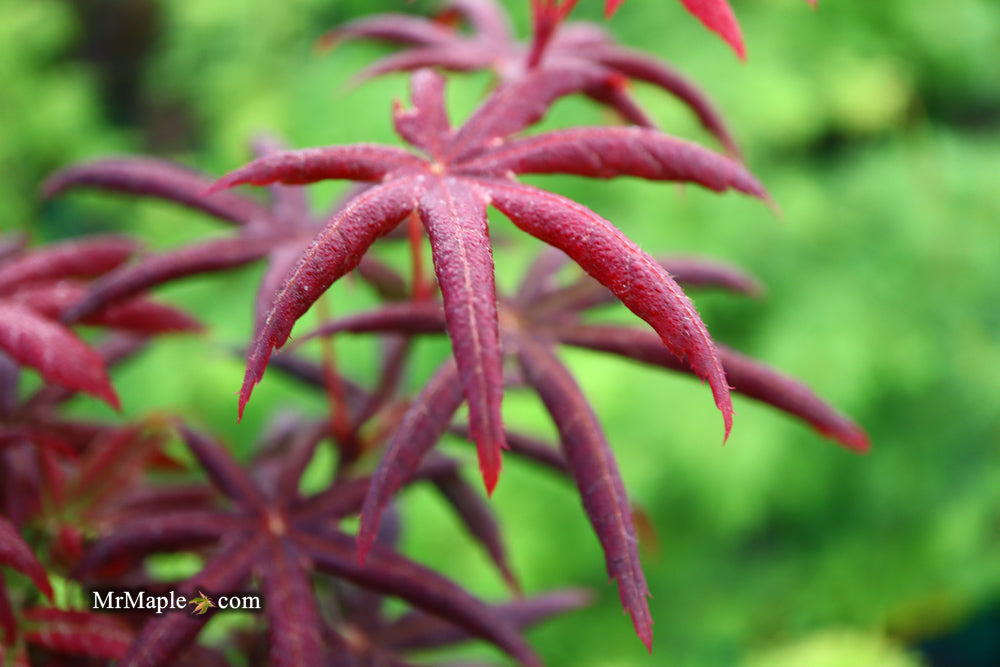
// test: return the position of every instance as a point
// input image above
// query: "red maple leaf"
(458, 173)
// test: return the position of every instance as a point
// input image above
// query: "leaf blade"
(455, 218)
(336, 250)
(593, 467)
(15, 553)
(155, 178)
(612, 152)
(54, 351)
(617, 263)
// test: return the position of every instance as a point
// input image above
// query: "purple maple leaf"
(272, 532)
(540, 316)
(492, 45)
(461, 171)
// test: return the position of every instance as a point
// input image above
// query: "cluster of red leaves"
(105, 497)
(64, 475)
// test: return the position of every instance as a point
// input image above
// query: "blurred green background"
(875, 126)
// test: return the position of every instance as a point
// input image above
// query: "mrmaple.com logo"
(123, 600)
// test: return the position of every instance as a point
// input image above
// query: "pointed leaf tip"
(611, 6)
(718, 16)
(491, 474)
(727, 417)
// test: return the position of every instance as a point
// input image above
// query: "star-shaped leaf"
(279, 537)
(541, 315)
(460, 172)
(491, 44)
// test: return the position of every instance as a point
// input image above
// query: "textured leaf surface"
(455, 217)
(618, 264)
(335, 251)
(515, 106)
(360, 162)
(610, 152)
(596, 473)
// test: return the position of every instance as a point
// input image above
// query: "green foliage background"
(875, 125)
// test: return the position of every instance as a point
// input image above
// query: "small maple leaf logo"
(201, 603)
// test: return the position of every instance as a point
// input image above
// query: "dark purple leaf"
(7, 621)
(153, 270)
(175, 531)
(223, 470)
(162, 638)
(417, 630)
(389, 573)
(593, 466)
(389, 284)
(528, 447)
(156, 178)
(10, 376)
(69, 259)
(418, 432)
(747, 376)
(478, 519)
(77, 633)
(293, 619)
(410, 317)
(688, 272)
(297, 456)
